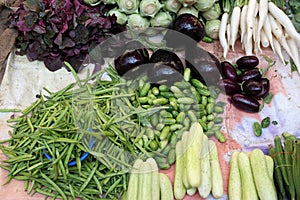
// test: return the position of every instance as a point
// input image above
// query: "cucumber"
(234, 184)
(124, 196)
(193, 155)
(179, 188)
(166, 192)
(185, 144)
(264, 185)
(216, 177)
(205, 186)
(145, 182)
(191, 191)
(155, 179)
(248, 185)
(270, 166)
(133, 184)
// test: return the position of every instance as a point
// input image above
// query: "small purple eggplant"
(265, 87)
(228, 71)
(245, 103)
(247, 62)
(252, 87)
(229, 87)
(253, 74)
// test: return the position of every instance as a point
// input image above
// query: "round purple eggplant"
(247, 62)
(130, 60)
(229, 87)
(166, 67)
(168, 58)
(253, 74)
(265, 87)
(228, 71)
(252, 87)
(245, 103)
(189, 25)
(204, 65)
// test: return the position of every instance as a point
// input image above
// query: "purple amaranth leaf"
(67, 28)
(58, 39)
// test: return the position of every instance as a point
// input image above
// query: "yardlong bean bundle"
(50, 126)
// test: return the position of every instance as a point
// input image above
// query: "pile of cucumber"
(146, 182)
(251, 176)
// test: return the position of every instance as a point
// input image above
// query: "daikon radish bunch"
(260, 24)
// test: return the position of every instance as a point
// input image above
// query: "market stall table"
(23, 80)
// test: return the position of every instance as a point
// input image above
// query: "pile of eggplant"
(166, 64)
(166, 67)
(244, 83)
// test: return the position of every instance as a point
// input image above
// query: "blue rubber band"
(82, 158)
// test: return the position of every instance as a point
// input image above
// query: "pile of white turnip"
(259, 24)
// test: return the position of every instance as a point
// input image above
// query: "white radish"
(284, 20)
(234, 27)
(267, 29)
(228, 34)
(278, 49)
(278, 33)
(248, 46)
(285, 45)
(243, 21)
(254, 29)
(255, 21)
(250, 19)
(255, 35)
(222, 34)
(275, 27)
(256, 9)
(263, 13)
(294, 49)
(264, 39)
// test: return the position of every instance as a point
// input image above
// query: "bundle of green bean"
(50, 127)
